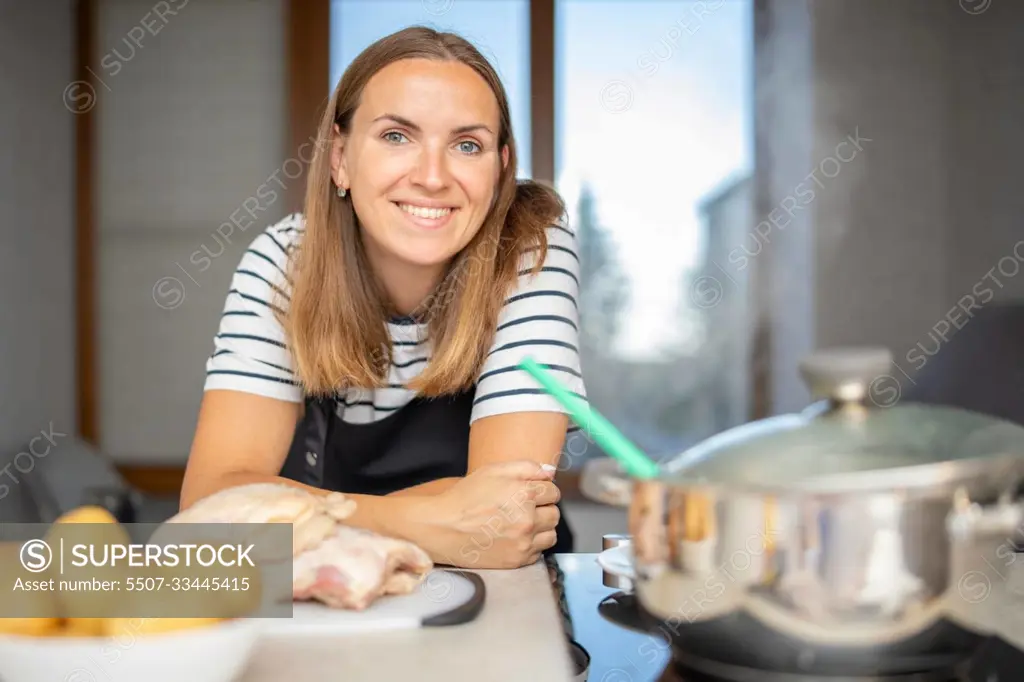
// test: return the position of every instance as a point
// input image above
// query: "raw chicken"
(352, 567)
(341, 566)
(313, 517)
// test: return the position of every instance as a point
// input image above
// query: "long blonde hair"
(336, 324)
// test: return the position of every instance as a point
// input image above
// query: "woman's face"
(421, 161)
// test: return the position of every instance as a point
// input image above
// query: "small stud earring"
(341, 191)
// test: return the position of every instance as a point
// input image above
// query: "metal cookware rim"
(934, 478)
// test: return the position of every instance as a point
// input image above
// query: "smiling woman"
(371, 344)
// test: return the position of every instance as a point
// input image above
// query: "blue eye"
(474, 147)
(391, 136)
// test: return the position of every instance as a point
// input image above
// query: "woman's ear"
(339, 166)
(504, 157)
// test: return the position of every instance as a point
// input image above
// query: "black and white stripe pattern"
(540, 319)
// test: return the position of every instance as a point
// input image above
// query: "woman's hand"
(499, 516)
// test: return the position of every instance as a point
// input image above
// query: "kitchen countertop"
(518, 636)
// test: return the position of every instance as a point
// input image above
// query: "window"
(498, 28)
(654, 151)
(653, 154)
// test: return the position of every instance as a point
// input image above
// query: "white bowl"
(217, 653)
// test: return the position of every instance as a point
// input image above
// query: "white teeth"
(421, 212)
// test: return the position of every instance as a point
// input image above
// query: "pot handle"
(845, 375)
(970, 519)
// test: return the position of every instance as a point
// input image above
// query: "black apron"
(426, 440)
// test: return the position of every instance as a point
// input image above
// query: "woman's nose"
(431, 170)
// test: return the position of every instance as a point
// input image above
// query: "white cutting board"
(446, 597)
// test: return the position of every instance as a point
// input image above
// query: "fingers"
(546, 518)
(544, 492)
(543, 541)
(523, 469)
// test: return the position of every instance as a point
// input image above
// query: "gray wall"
(986, 101)
(783, 148)
(897, 232)
(191, 127)
(190, 114)
(37, 333)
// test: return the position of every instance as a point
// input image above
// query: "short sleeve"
(540, 319)
(250, 354)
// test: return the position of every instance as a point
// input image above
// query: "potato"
(104, 614)
(104, 529)
(30, 627)
(82, 609)
(87, 514)
(37, 612)
(83, 627)
(120, 627)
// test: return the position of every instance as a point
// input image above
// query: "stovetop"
(598, 619)
(674, 675)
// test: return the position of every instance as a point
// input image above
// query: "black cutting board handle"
(466, 611)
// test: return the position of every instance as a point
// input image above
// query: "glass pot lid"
(856, 428)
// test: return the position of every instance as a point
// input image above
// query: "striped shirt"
(540, 318)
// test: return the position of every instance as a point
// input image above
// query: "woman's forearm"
(407, 517)
(416, 519)
(192, 492)
(230, 480)
(429, 488)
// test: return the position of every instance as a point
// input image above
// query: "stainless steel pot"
(833, 527)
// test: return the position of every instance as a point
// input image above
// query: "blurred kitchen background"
(750, 180)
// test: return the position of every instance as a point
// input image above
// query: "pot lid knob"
(845, 374)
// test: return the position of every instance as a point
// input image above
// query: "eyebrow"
(461, 130)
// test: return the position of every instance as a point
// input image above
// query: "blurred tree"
(604, 288)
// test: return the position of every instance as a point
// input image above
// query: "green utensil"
(632, 458)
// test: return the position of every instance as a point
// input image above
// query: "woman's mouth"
(427, 217)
